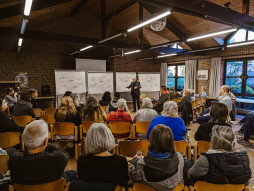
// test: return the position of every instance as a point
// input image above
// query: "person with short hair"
(186, 99)
(24, 106)
(169, 117)
(40, 162)
(135, 93)
(202, 93)
(34, 94)
(162, 168)
(92, 166)
(173, 94)
(11, 98)
(222, 163)
(164, 97)
(112, 106)
(67, 93)
(219, 114)
(106, 99)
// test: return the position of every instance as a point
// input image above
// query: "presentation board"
(124, 79)
(90, 65)
(150, 82)
(70, 80)
(99, 82)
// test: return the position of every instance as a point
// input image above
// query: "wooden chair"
(202, 146)
(65, 129)
(104, 108)
(141, 127)
(129, 148)
(37, 112)
(22, 121)
(49, 118)
(84, 128)
(142, 187)
(57, 185)
(121, 128)
(50, 111)
(184, 148)
(11, 139)
(175, 100)
(203, 100)
(194, 105)
(4, 163)
(205, 186)
(119, 188)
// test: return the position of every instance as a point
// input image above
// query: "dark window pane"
(181, 71)
(171, 82)
(234, 68)
(250, 86)
(180, 83)
(171, 71)
(250, 68)
(235, 84)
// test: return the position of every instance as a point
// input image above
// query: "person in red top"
(120, 115)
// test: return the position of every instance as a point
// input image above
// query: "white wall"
(90, 65)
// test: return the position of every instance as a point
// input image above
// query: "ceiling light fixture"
(240, 44)
(23, 27)
(85, 48)
(212, 34)
(109, 38)
(166, 55)
(20, 41)
(28, 6)
(149, 21)
(132, 52)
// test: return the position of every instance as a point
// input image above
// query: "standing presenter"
(135, 93)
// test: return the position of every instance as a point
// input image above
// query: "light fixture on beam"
(23, 27)
(132, 52)
(85, 48)
(206, 49)
(28, 6)
(240, 44)
(166, 55)
(149, 58)
(212, 34)
(149, 21)
(110, 38)
(20, 41)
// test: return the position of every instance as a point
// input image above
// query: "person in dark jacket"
(24, 106)
(7, 123)
(34, 94)
(173, 94)
(40, 163)
(222, 163)
(106, 98)
(112, 106)
(218, 113)
(11, 98)
(185, 99)
(135, 93)
(164, 97)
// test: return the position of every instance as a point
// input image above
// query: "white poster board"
(124, 79)
(150, 82)
(70, 80)
(99, 82)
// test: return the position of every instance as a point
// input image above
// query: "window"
(240, 36)
(175, 76)
(239, 75)
(176, 46)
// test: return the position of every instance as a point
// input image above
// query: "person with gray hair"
(92, 166)
(202, 93)
(222, 163)
(40, 162)
(169, 117)
(185, 99)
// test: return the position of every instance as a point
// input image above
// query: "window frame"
(176, 74)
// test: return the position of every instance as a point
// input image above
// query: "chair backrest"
(142, 187)
(203, 146)
(86, 125)
(175, 100)
(104, 108)
(9, 139)
(4, 163)
(180, 187)
(62, 128)
(142, 126)
(181, 146)
(50, 111)
(57, 185)
(130, 148)
(201, 186)
(120, 127)
(37, 112)
(194, 104)
(22, 121)
(49, 118)
(203, 100)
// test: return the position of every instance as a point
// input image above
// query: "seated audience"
(164, 97)
(75, 100)
(202, 93)
(98, 165)
(112, 106)
(219, 114)
(173, 94)
(222, 163)
(169, 117)
(106, 98)
(7, 123)
(185, 99)
(93, 111)
(162, 168)
(34, 94)
(24, 106)
(11, 99)
(39, 163)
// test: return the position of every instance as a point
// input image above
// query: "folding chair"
(202, 146)
(179, 100)
(129, 148)
(141, 127)
(121, 128)
(50, 111)
(37, 112)
(142, 187)
(104, 108)
(184, 148)
(4, 163)
(57, 185)
(84, 128)
(22, 121)
(10, 139)
(49, 118)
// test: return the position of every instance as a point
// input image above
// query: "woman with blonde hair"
(169, 117)
(222, 163)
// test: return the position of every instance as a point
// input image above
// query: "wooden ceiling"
(82, 18)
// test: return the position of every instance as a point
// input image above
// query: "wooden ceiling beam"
(79, 7)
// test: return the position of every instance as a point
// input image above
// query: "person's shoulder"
(16, 156)
(119, 158)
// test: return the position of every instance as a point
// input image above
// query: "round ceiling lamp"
(159, 25)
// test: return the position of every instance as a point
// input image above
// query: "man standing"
(135, 93)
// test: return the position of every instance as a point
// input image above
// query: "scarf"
(158, 155)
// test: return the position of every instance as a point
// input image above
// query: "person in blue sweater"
(169, 117)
